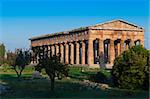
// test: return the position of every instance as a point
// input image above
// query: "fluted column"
(83, 52)
(52, 49)
(61, 53)
(72, 53)
(112, 52)
(132, 43)
(122, 45)
(101, 47)
(49, 51)
(127, 45)
(118, 47)
(57, 49)
(90, 52)
(67, 53)
(77, 53)
(142, 43)
(38, 54)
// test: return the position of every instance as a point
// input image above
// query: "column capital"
(84, 40)
(77, 42)
(112, 41)
(101, 39)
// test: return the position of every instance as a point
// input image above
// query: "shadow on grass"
(80, 75)
(40, 88)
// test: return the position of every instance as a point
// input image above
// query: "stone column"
(49, 51)
(118, 47)
(38, 54)
(101, 47)
(67, 52)
(43, 51)
(52, 49)
(122, 45)
(111, 52)
(61, 53)
(132, 43)
(90, 52)
(142, 42)
(57, 49)
(72, 53)
(127, 45)
(83, 52)
(77, 53)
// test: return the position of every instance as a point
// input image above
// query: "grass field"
(65, 88)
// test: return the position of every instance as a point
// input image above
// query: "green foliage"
(2, 50)
(6, 68)
(103, 76)
(20, 61)
(53, 68)
(2, 54)
(129, 68)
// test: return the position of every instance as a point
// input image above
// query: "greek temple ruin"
(88, 45)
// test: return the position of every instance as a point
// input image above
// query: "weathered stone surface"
(88, 85)
(113, 38)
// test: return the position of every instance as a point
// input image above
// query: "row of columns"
(84, 52)
(70, 52)
(109, 49)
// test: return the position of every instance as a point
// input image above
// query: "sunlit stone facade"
(85, 46)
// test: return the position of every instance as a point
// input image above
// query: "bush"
(6, 68)
(3, 61)
(103, 76)
(130, 68)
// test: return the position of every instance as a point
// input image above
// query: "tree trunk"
(16, 72)
(52, 83)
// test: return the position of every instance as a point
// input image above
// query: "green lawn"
(65, 88)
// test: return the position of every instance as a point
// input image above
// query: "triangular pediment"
(118, 24)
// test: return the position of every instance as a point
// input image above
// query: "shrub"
(129, 68)
(103, 76)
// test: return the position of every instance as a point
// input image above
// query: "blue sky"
(22, 19)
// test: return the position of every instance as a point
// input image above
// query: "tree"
(20, 61)
(2, 50)
(53, 68)
(2, 54)
(129, 68)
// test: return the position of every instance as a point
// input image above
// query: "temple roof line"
(132, 24)
(89, 27)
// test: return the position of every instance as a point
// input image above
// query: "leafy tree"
(129, 68)
(53, 68)
(147, 73)
(19, 61)
(2, 50)
(2, 54)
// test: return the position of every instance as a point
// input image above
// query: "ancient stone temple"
(88, 45)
